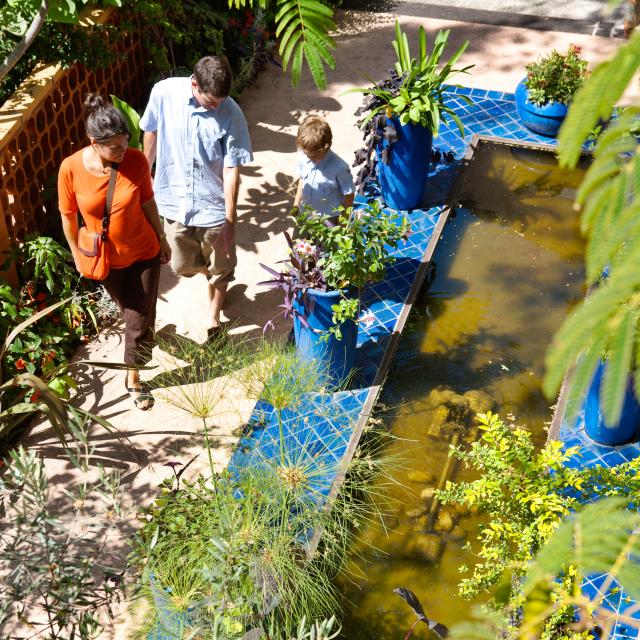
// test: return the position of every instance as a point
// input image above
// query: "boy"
(325, 178)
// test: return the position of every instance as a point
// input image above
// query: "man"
(198, 137)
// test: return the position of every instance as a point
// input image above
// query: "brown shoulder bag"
(94, 249)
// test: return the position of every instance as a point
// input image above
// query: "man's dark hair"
(213, 75)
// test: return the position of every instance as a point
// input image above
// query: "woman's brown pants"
(135, 290)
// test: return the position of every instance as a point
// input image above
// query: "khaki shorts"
(193, 250)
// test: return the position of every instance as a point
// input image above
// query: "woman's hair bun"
(93, 102)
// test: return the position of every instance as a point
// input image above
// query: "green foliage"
(303, 27)
(42, 322)
(605, 324)
(354, 252)
(56, 581)
(232, 551)
(601, 538)
(415, 91)
(60, 40)
(556, 77)
(47, 270)
(596, 540)
(132, 118)
(525, 495)
(258, 546)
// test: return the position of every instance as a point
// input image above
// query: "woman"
(137, 242)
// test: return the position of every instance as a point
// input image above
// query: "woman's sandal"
(142, 397)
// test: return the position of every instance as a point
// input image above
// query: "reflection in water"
(508, 269)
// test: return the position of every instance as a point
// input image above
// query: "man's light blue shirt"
(194, 144)
(324, 184)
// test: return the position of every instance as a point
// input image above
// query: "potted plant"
(323, 273)
(403, 114)
(543, 97)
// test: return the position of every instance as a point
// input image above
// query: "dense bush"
(175, 35)
(48, 275)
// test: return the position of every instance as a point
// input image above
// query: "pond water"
(508, 268)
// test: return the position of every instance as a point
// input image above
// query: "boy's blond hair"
(314, 134)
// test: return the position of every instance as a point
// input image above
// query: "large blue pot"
(545, 120)
(404, 179)
(336, 357)
(595, 427)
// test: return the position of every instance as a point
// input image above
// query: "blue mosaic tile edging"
(325, 427)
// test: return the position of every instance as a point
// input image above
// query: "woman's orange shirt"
(132, 236)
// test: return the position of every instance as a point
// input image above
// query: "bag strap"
(109, 200)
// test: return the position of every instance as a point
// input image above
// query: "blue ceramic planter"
(404, 179)
(595, 427)
(545, 120)
(336, 356)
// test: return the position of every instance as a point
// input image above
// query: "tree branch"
(21, 48)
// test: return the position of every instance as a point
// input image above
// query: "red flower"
(41, 296)
(575, 48)
(20, 364)
(35, 396)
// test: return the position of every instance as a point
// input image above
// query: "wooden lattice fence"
(41, 124)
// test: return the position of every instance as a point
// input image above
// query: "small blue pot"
(336, 357)
(545, 120)
(404, 179)
(595, 427)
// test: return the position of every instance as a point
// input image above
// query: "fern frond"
(616, 373)
(592, 540)
(322, 49)
(583, 373)
(595, 99)
(296, 65)
(288, 44)
(625, 233)
(617, 131)
(587, 324)
(314, 62)
(305, 27)
(597, 255)
(598, 198)
(597, 173)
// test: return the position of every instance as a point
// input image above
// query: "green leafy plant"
(606, 322)
(525, 494)
(56, 581)
(22, 20)
(556, 77)
(415, 90)
(132, 118)
(234, 547)
(601, 538)
(414, 93)
(348, 255)
(256, 547)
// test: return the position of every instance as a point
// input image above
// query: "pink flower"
(367, 319)
(304, 248)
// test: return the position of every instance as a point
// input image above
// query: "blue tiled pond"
(506, 369)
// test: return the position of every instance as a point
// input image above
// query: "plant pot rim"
(551, 109)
